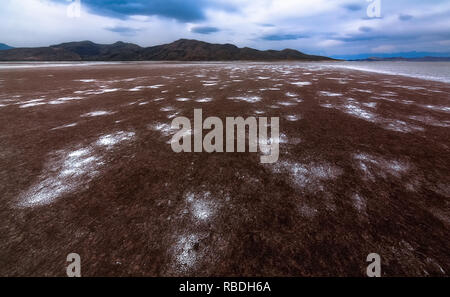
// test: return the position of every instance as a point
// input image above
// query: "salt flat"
(86, 166)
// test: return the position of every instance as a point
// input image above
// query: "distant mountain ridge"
(398, 59)
(180, 50)
(5, 47)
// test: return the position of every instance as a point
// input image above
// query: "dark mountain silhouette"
(5, 47)
(181, 50)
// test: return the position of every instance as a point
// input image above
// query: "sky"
(336, 28)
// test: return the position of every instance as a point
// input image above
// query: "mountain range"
(180, 50)
(4, 47)
(403, 59)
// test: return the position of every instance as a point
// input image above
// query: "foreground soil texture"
(86, 167)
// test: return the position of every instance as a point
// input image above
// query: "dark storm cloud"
(181, 10)
(353, 7)
(365, 29)
(126, 31)
(405, 17)
(279, 37)
(204, 30)
(267, 25)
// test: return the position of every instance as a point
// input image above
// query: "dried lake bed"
(85, 167)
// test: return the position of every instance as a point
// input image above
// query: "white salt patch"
(183, 99)
(378, 166)
(64, 100)
(250, 99)
(329, 94)
(292, 118)
(383, 98)
(359, 202)
(430, 121)
(109, 90)
(143, 103)
(65, 126)
(412, 88)
(136, 89)
(201, 205)
(370, 104)
(97, 113)
(130, 79)
(86, 80)
(113, 139)
(401, 126)
(389, 94)
(436, 108)
(31, 104)
(156, 87)
(163, 128)
(301, 83)
(186, 252)
(298, 100)
(173, 115)
(64, 176)
(284, 103)
(363, 91)
(289, 94)
(68, 171)
(84, 92)
(355, 110)
(201, 210)
(204, 100)
(102, 91)
(167, 108)
(308, 176)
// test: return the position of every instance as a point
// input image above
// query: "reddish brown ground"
(358, 173)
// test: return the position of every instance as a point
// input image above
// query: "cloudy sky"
(338, 28)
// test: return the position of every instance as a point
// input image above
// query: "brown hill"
(181, 50)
